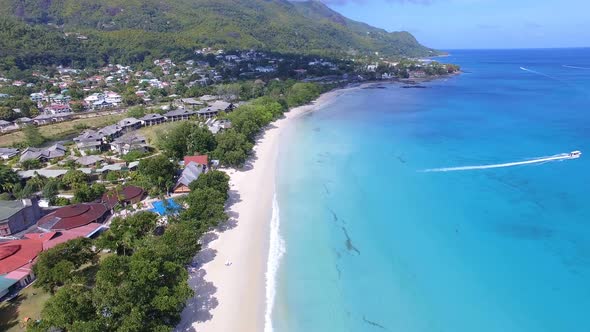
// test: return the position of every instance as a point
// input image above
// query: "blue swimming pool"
(165, 208)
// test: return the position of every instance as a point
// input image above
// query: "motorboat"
(575, 154)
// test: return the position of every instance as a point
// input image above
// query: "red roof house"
(201, 160)
(127, 195)
(73, 216)
(74, 233)
(18, 253)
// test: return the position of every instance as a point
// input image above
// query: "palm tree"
(8, 178)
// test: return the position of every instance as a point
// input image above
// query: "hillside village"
(42, 97)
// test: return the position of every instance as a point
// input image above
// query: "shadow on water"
(349, 245)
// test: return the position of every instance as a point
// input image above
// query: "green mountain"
(132, 30)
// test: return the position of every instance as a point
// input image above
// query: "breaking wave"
(276, 250)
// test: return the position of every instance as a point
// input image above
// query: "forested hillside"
(130, 30)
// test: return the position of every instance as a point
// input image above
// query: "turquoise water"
(171, 207)
(372, 243)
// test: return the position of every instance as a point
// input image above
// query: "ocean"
(366, 240)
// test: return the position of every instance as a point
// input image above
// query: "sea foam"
(276, 250)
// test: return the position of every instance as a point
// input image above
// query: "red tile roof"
(18, 253)
(127, 194)
(201, 160)
(43, 237)
(73, 216)
(74, 233)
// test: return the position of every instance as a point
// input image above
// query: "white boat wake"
(576, 67)
(557, 157)
(539, 73)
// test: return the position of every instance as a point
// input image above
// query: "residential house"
(7, 153)
(128, 195)
(18, 256)
(43, 154)
(129, 124)
(37, 97)
(101, 104)
(265, 69)
(94, 98)
(16, 216)
(58, 99)
(129, 142)
(73, 216)
(216, 126)
(113, 98)
(188, 102)
(23, 121)
(16, 264)
(11, 127)
(4, 125)
(110, 132)
(111, 168)
(200, 159)
(215, 108)
(152, 119)
(191, 172)
(49, 173)
(51, 118)
(179, 114)
(58, 109)
(89, 161)
(89, 140)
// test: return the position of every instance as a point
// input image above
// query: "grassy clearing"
(151, 133)
(61, 130)
(28, 303)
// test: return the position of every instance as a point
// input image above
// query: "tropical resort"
(31, 226)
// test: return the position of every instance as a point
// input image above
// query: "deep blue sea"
(372, 243)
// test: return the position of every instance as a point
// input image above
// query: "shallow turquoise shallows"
(373, 243)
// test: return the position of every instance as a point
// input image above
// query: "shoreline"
(234, 298)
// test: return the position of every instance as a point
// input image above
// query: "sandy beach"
(232, 298)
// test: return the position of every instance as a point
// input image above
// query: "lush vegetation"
(85, 193)
(60, 265)
(142, 285)
(133, 31)
(234, 145)
(156, 175)
(8, 178)
(186, 139)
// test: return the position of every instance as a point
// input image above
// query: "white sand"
(232, 298)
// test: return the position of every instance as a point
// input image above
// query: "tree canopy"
(8, 178)
(157, 173)
(127, 234)
(59, 265)
(186, 139)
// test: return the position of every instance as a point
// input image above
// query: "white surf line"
(276, 250)
(542, 74)
(562, 156)
(575, 67)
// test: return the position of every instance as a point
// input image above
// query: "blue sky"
(452, 24)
